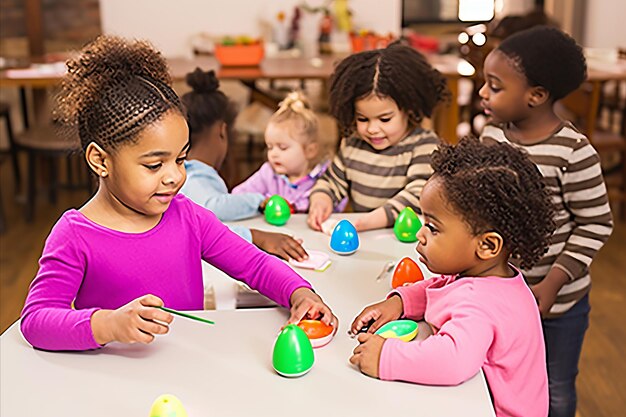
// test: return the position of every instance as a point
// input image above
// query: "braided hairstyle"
(206, 104)
(113, 90)
(398, 72)
(304, 126)
(498, 188)
(547, 57)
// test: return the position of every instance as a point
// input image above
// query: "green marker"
(189, 316)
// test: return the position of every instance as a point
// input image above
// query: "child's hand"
(136, 322)
(320, 209)
(379, 314)
(279, 244)
(376, 219)
(263, 204)
(305, 303)
(545, 291)
(367, 354)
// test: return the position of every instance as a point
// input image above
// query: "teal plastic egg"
(277, 210)
(407, 225)
(293, 353)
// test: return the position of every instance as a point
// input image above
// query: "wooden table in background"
(599, 72)
(320, 68)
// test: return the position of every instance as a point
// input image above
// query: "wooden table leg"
(24, 108)
(594, 102)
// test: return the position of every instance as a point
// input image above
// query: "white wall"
(170, 24)
(604, 24)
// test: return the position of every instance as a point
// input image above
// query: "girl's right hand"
(135, 322)
(320, 209)
(378, 314)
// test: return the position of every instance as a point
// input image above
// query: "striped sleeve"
(418, 173)
(585, 196)
(334, 182)
(572, 174)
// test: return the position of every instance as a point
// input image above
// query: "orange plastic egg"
(318, 332)
(406, 272)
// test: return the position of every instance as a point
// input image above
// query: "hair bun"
(295, 101)
(203, 82)
(107, 62)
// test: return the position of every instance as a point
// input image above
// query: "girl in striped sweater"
(379, 99)
(524, 76)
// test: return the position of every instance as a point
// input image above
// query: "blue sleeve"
(210, 193)
(242, 231)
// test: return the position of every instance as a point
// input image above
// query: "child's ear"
(538, 96)
(224, 131)
(490, 245)
(97, 159)
(311, 150)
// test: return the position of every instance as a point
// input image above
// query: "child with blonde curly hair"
(296, 155)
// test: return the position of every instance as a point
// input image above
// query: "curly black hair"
(498, 188)
(398, 72)
(206, 104)
(113, 90)
(547, 57)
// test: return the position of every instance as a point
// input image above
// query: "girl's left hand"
(546, 290)
(306, 304)
(366, 355)
(279, 244)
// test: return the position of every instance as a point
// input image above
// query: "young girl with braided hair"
(210, 117)
(136, 244)
(379, 99)
(483, 206)
(296, 155)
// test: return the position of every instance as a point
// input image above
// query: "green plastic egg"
(167, 405)
(407, 225)
(277, 210)
(293, 353)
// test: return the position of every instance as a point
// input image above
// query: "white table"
(226, 369)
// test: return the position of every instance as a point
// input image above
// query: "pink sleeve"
(243, 261)
(48, 320)
(257, 182)
(450, 357)
(414, 298)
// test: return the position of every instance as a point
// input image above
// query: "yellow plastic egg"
(167, 405)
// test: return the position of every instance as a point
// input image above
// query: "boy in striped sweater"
(524, 76)
(379, 99)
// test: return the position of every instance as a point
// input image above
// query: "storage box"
(240, 55)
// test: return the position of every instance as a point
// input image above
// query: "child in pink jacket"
(482, 206)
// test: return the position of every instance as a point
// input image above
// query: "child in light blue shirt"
(210, 116)
(205, 186)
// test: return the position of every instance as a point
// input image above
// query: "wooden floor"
(602, 381)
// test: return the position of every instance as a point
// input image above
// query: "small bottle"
(326, 27)
(281, 31)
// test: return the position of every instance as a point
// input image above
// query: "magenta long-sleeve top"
(491, 323)
(95, 267)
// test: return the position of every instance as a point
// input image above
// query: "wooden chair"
(44, 142)
(609, 139)
(5, 113)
